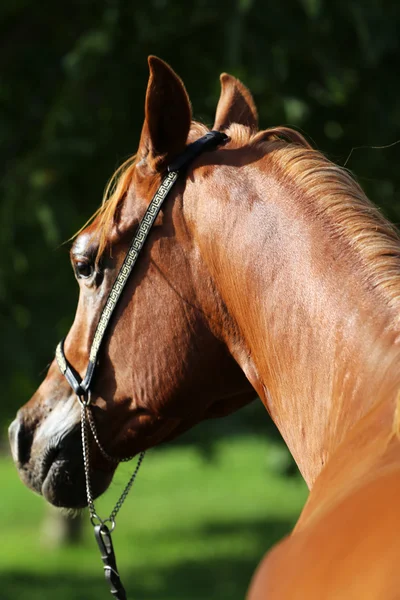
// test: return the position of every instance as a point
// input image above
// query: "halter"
(82, 386)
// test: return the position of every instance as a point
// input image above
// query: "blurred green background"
(73, 76)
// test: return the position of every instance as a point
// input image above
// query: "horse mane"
(328, 191)
(119, 183)
(330, 194)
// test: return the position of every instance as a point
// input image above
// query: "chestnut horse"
(267, 271)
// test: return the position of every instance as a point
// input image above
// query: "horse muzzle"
(47, 452)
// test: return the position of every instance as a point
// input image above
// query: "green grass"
(191, 529)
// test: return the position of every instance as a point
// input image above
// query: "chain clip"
(85, 398)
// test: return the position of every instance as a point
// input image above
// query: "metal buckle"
(85, 398)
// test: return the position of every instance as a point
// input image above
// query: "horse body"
(345, 542)
(270, 271)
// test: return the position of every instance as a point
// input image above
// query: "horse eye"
(83, 269)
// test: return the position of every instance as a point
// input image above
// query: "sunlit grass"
(191, 528)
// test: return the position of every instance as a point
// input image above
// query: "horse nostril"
(20, 441)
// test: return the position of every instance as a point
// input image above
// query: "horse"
(268, 272)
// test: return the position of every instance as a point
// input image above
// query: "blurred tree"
(73, 78)
(60, 528)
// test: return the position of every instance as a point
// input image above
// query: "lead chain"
(93, 429)
(86, 418)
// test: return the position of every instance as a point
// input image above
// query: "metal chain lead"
(86, 417)
(96, 439)
(85, 449)
(127, 489)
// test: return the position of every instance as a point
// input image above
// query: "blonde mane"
(351, 221)
(120, 181)
(329, 191)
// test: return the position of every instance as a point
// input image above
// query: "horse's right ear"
(168, 116)
(235, 105)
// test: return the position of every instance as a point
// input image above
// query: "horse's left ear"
(168, 115)
(235, 105)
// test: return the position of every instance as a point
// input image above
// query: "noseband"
(82, 386)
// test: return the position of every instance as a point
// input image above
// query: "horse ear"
(235, 105)
(168, 115)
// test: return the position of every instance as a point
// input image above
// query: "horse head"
(165, 364)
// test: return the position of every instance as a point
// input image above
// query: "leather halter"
(81, 386)
(104, 527)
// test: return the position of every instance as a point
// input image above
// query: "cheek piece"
(82, 386)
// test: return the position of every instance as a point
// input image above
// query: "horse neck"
(309, 337)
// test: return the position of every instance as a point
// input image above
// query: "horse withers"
(268, 271)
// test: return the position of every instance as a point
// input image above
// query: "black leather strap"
(208, 141)
(104, 541)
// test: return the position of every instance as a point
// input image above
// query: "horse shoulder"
(350, 551)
